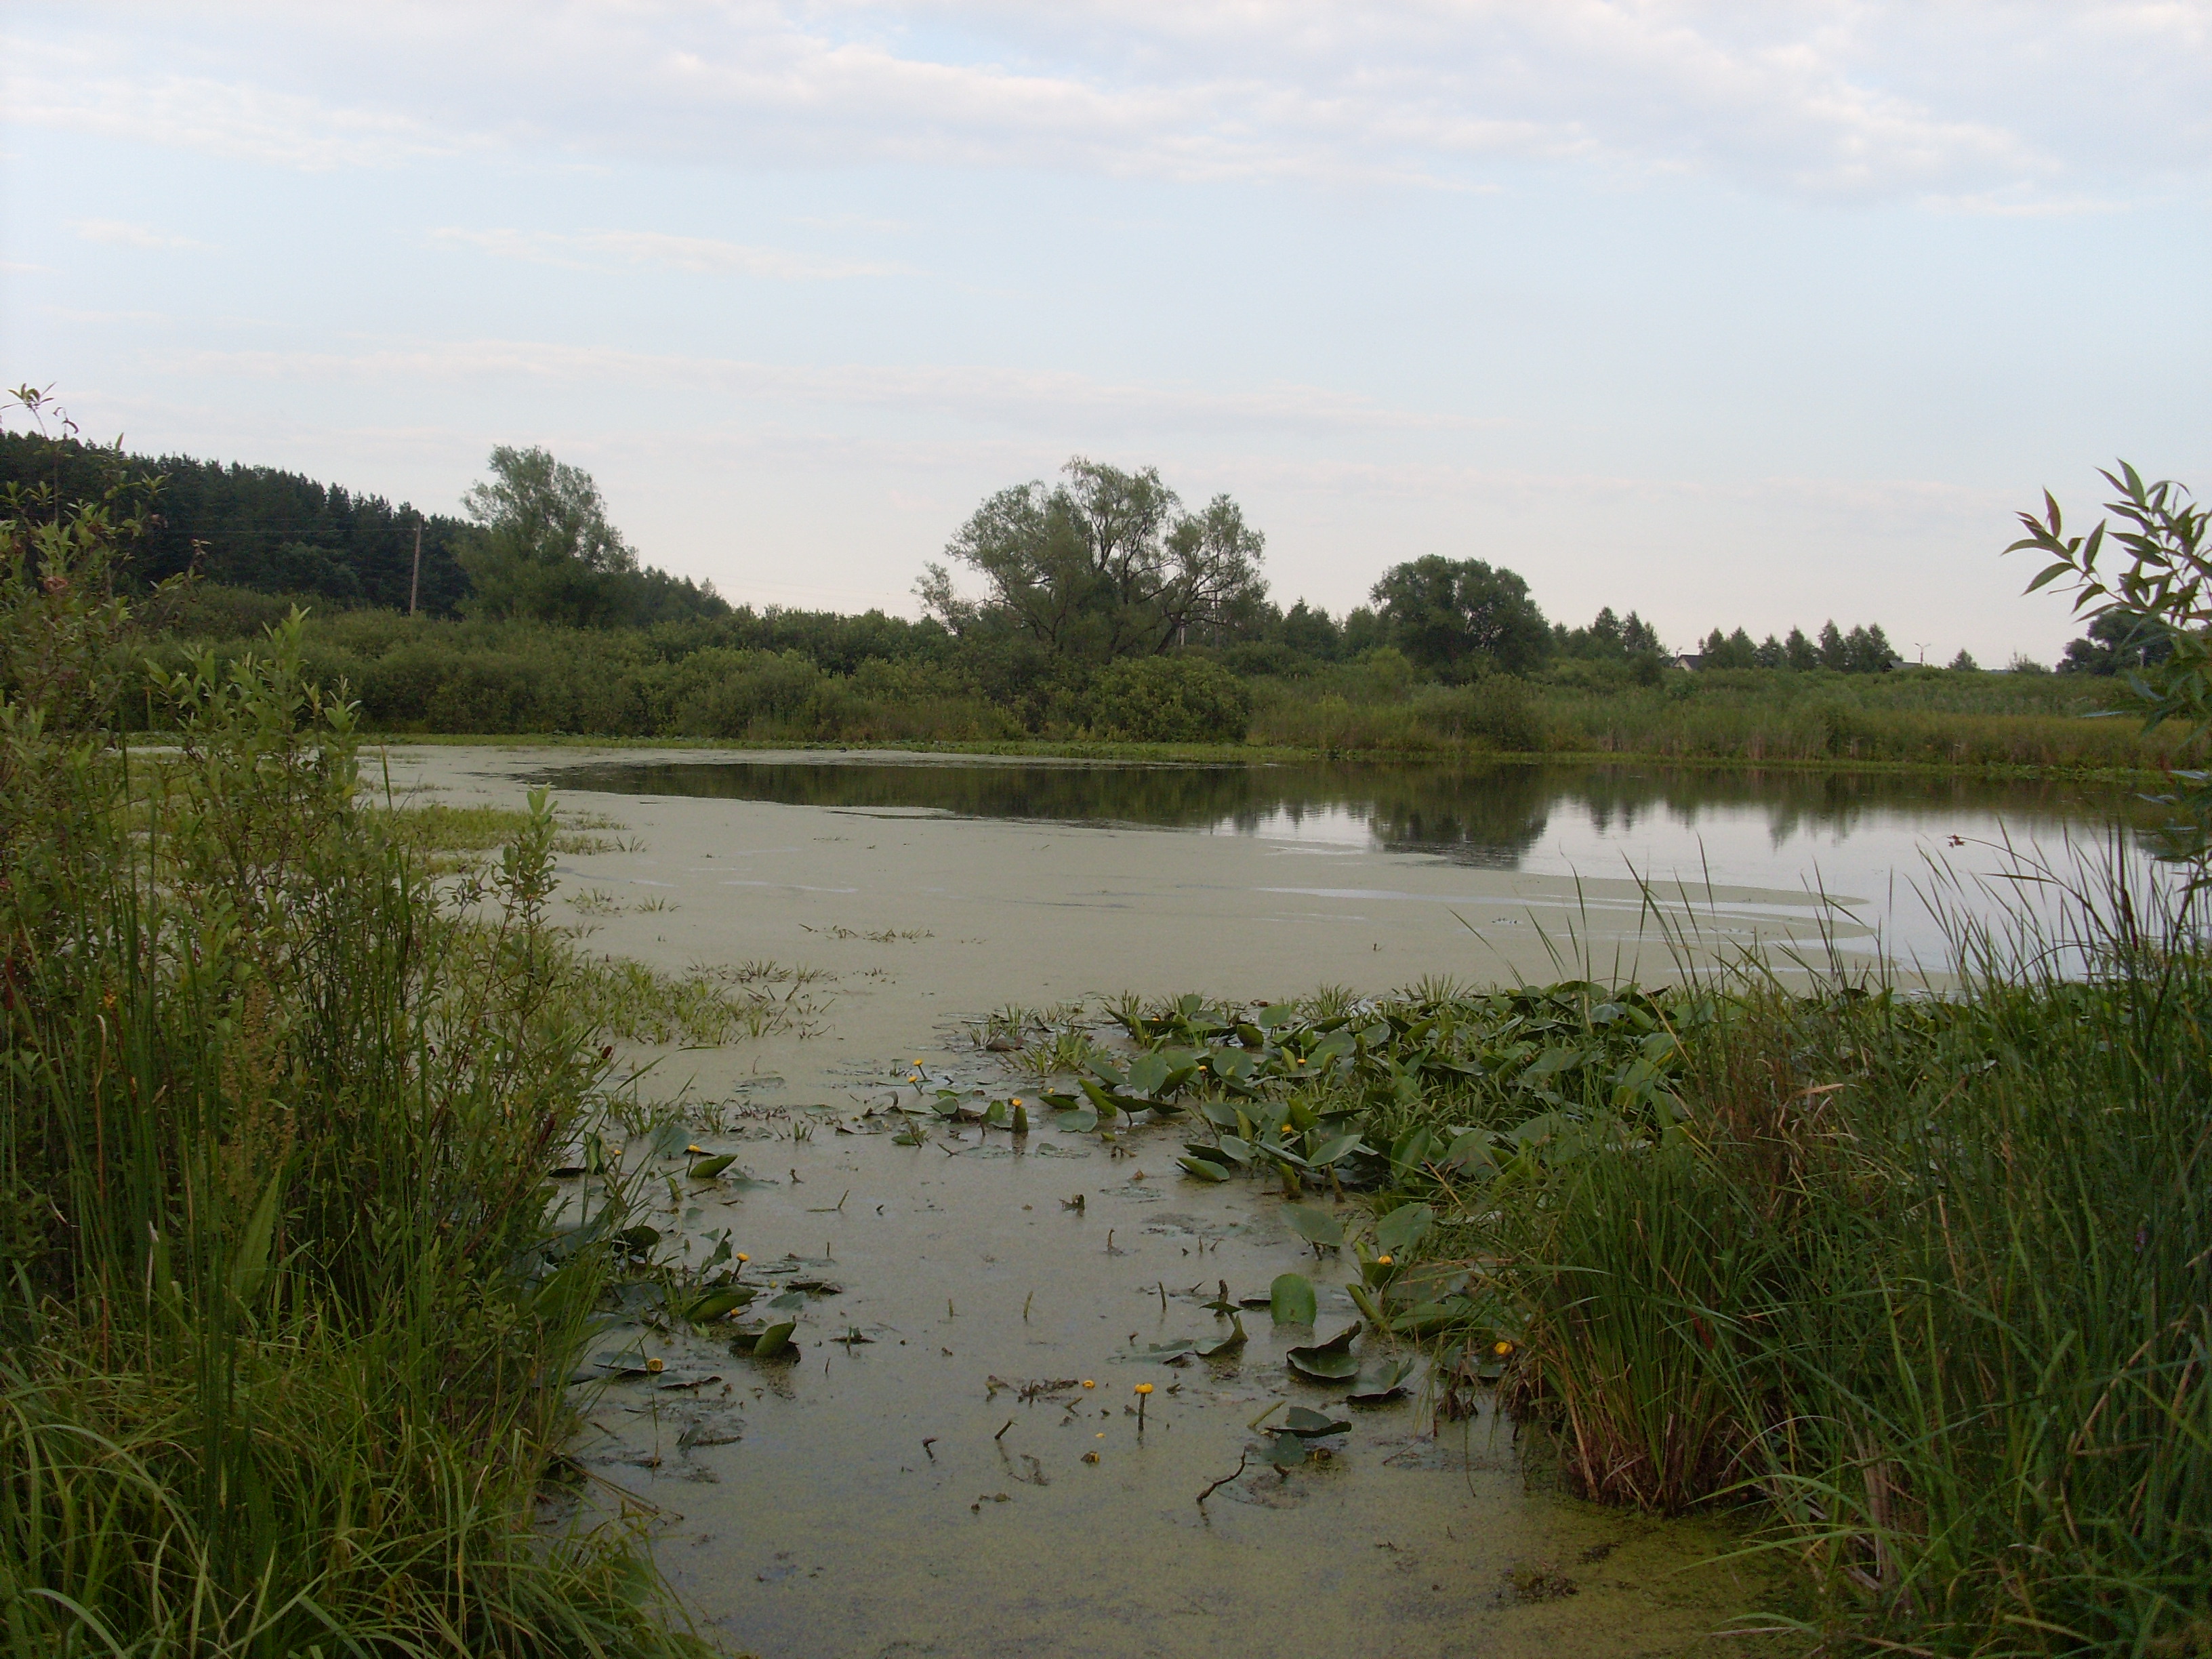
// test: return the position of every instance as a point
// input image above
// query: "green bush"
(1168, 700)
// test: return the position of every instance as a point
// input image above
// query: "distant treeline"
(268, 531)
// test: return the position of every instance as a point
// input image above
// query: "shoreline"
(1274, 755)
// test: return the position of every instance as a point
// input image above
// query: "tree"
(1458, 618)
(1798, 652)
(2116, 643)
(1834, 651)
(1102, 565)
(544, 547)
(1310, 629)
(1964, 663)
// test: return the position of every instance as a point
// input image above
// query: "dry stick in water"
(1225, 1479)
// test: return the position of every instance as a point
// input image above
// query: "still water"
(952, 1462)
(1877, 843)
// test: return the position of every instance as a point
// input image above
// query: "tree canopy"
(1459, 616)
(545, 549)
(1102, 565)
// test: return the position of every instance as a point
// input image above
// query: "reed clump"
(284, 1331)
(1931, 1282)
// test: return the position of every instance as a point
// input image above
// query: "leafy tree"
(1771, 654)
(1102, 565)
(1310, 629)
(544, 548)
(1459, 616)
(1609, 637)
(1834, 653)
(1867, 651)
(1728, 651)
(1799, 653)
(2116, 644)
(1964, 663)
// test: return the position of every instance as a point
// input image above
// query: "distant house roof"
(1690, 659)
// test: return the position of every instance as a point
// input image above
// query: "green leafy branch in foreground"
(2157, 604)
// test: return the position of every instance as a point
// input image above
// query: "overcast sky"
(1749, 315)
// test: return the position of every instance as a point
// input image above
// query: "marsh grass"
(286, 1324)
(1926, 1281)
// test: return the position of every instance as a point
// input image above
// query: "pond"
(1874, 842)
(929, 1473)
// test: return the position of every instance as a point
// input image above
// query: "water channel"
(952, 1464)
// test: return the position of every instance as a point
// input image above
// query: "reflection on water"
(1853, 831)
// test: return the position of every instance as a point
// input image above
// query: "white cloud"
(700, 254)
(1815, 98)
(120, 233)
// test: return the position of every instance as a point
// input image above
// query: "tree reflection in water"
(1486, 817)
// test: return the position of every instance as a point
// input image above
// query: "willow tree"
(1102, 565)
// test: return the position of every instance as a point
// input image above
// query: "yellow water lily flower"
(1382, 1260)
(1089, 1383)
(1501, 1348)
(1144, 1388)
(655, 1365)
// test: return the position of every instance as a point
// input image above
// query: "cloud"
(700, 254)
(1025, 397)
(1819, 98)
(118, 233)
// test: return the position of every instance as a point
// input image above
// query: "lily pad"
(707, 1169)
(1404, 1227)
(789, 1300)
(1076, 1120)
(1204, 1169)
(775, 1341)
(1381, 1380)
(1326, 1362)
(1310, 1424)
(1335, 1148)
(1286, 1451)
(1291, 1299)
(720, 1304)
(1315, 1226)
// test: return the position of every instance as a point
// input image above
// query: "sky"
(1734, 314)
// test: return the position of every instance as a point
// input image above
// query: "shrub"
(1168, 700)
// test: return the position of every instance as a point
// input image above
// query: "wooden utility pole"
(414, 587)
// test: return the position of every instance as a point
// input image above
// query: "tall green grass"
(284, 1331)
(1929, 1281)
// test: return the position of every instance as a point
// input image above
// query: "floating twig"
(1242, 1457)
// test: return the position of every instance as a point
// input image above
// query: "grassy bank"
(286, 1333)
(685, 682)
(1923, 1289)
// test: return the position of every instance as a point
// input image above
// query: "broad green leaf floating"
(1404, 1227)
(1382, 1379)
(1315, 1226)
(1291, 1299)
(1309, 1424)
(1326, 1362)
(707, 1169)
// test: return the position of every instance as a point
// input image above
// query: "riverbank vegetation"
(1921, 1288)
(286, 1329)
(1108, 614)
